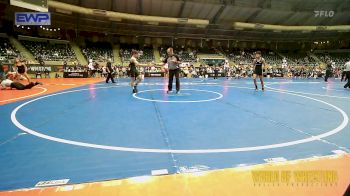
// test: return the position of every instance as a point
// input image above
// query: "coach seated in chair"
(47, 73)
(38, 73)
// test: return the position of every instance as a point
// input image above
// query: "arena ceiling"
(285, 12)
(220, 13)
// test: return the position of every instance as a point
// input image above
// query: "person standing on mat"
(347, 74)
(22, 68)
(173, 62)
(226, 69)
(134, 73)
(109, 70)
(343, 73)
(329, 69)
(216, 71)
(258, 64)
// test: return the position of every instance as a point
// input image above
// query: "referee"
(329, 69)
(347, 74)
(173, 62)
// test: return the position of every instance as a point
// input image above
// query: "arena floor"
(86, 130)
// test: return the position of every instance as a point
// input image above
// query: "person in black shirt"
(329, 69)
(22, 68)
(2, 72)
(173, 62)
(216, 72)
(201, 71)
(64, 65)
(343, 75)
(258, 64)
(134, 73)
(12, 82)
(109, 71)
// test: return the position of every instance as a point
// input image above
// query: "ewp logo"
(33, 18)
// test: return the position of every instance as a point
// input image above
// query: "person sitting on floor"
(11, 82)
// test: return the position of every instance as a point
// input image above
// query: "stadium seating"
(98, 51)
(245, 57)
(208, 51)
(339, 58)
(7, 51)
(299, 59)
(146, 53)
(239, 57)
(50, 51)
(272, 58)
(186, 55)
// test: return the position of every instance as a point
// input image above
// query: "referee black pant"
(109, 76)
(216, 73)
(328, 74)
(347, 85)
(172, 73)
(20, 86)
(343, 76)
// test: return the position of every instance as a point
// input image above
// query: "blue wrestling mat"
(103, 131)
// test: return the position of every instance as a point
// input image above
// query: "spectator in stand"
(2, 72)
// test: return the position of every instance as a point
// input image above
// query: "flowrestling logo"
(324, 13)
(33, 18)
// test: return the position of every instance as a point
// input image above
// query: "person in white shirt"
(104, 71)
(226, 68)
(91, 68)
(153, 69)
(347, 73)
(284, 64)
(186, 71)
